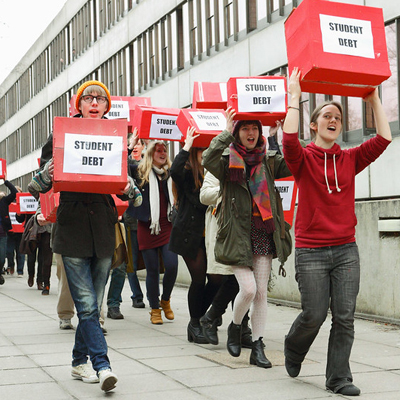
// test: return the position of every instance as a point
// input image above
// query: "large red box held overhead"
(157, 123)
(258, 98)
(339, 48)
(26, 203)
(208, 123)
(210, 95)
(17, 227)
(3, 168)
(90, 155)
(121, 107)
(49, 203)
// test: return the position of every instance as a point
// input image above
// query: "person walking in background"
(5, 223)
(327, 260)
(249, 225)
(154, 227)
(187, 236)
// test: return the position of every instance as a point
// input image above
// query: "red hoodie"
(326, 180)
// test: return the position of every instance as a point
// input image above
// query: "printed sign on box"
(340, 48)
(208, 123)
(210, 95)
(3, 168)
(157, 123)
(90, 156)
(122, 107)
(26, 203)
(17, 227)
(262, 98)
(288, 190)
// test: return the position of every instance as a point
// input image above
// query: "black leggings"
(200, 294)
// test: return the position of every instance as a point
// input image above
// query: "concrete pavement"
(157, 362)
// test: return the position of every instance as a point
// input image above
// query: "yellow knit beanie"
(87, 84)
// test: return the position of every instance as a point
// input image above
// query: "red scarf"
(238, 158)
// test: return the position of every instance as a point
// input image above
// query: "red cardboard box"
(17, 227)
(210, 95)
(90, 155)
(157, 123)
(340, 48)
(120, 204)
(49, 203)
(26, 203)
(121, 107)
(3, 168)
(208, 123)
(263, 98)
(288, 190)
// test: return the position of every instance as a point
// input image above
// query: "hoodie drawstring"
(326, 175)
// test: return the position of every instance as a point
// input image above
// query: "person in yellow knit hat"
(84, 236)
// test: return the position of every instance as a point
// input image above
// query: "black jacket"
(188, 227)
(4, 203)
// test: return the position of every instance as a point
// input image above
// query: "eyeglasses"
(89, 99)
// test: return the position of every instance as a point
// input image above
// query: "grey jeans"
(327, 277)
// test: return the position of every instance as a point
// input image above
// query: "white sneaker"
(66, 324)
(84, 372)
(107, 379)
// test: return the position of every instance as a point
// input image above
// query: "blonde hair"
(146, 164)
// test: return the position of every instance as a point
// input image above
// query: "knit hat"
(90, 83)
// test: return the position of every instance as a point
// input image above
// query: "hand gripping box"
(26, 203)
(210, 95)
(258, 98)
(157, 123)
(90, 155)
(121, 107)
(17, 227)
(3, 168)
(208, 123)
(49, 203)
(339, 48)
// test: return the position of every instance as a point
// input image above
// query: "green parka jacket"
(233, 243)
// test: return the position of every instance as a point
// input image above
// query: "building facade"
(158, 49)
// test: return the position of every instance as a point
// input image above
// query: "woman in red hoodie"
(326, 259)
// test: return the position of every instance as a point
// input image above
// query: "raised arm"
(291, 124)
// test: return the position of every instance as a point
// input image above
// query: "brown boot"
(166, 306)
(155, 316)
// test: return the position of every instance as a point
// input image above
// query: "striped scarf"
(238, 158)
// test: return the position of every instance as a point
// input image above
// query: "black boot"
(194, 333)
(209, 327)
(234, 339)
(247, 340)
(257, 356)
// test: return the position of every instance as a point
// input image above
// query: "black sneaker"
(1, 279)
(292, 369)
(114, 313)
(46, 291)
(138, 303)
(348, 390)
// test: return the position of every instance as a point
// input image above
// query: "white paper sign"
(28, 204)
(209, 121)
(348, 36)
(164, 127)
(285, 188)
(92, 154)
(261, 95)
(119, 109)
(13, 218)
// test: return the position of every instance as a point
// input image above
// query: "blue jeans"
(151, 261)
(327, 277)
(3, 251)
(114, 298)
(87, 278)
(13, 242)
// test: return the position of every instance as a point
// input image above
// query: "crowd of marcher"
(218, 209)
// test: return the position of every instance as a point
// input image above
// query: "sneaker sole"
(109, 383)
